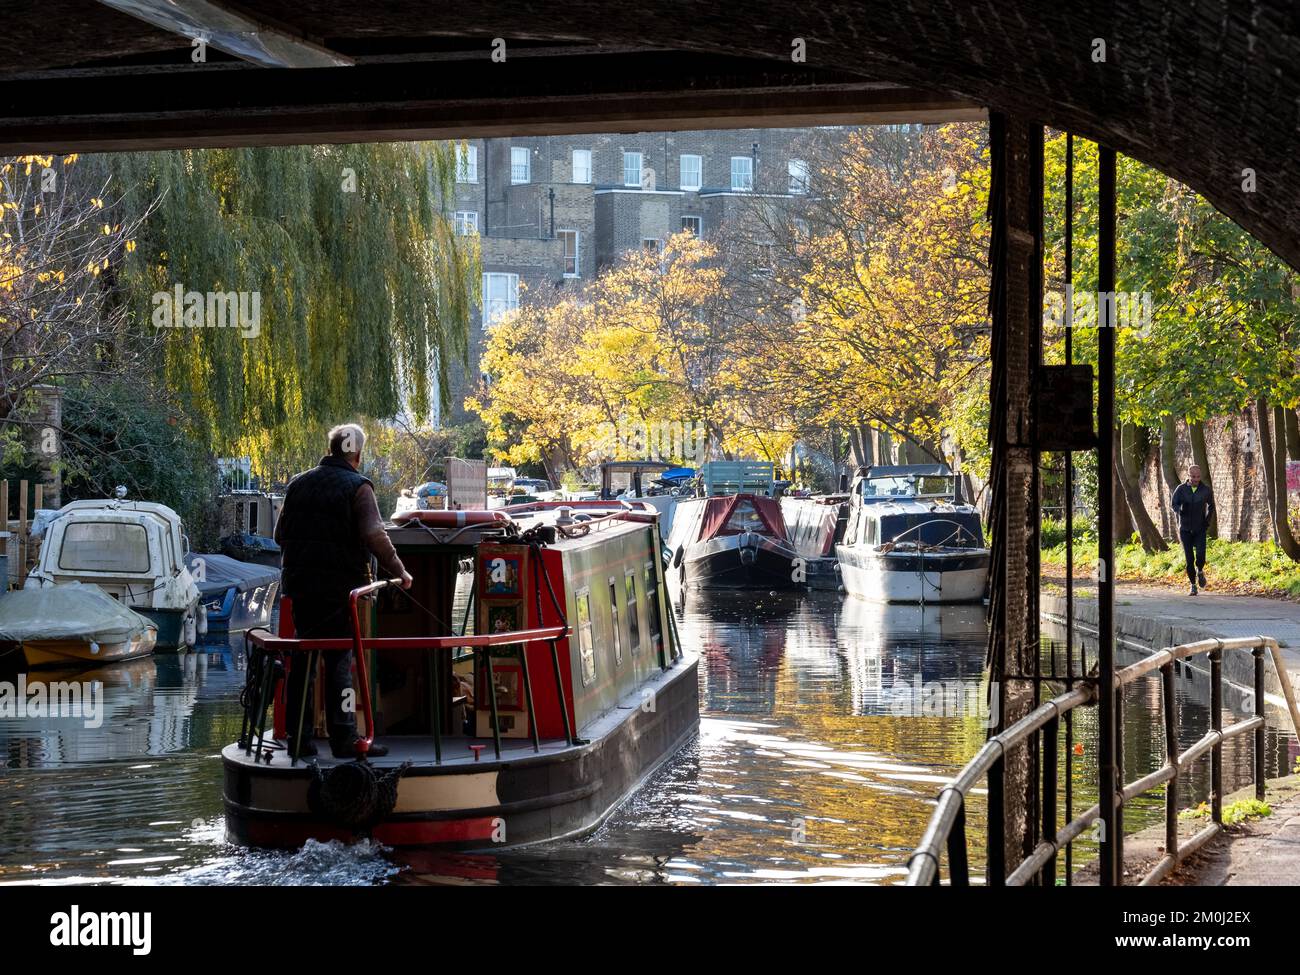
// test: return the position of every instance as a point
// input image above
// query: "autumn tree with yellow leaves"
(876, 309)
(859, 306)
(644, 353)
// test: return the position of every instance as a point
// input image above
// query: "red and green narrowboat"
(524, 686)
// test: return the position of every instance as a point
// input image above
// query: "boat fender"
(677, 556)
(355, 796)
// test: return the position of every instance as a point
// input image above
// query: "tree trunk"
(1262, 428)
(1128, 474)
(1121, 525)
(1272, 442)
(1168, 460)
(1292, 434)
(1272, 447)
(1201, 458)
(884, 448)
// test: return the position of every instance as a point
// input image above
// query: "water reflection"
(807, 767)
(828, 723)
(1143, 743)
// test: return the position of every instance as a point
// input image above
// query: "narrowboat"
(524, 686)
(733, 537)
(135, 552)
(236, 595)
(909, 539)
(816, 525)
(61, 626)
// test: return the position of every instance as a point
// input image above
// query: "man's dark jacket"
(324, 557)
(1194, 508)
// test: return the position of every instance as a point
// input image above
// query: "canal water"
(828, 724)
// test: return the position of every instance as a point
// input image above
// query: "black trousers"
(1193, 551)
(320, 619)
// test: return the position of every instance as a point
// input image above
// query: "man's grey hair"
(347, 439)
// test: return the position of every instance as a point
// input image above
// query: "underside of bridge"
(1203, 91)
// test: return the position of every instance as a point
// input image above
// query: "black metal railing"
(946, 831)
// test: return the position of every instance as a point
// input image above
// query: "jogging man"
(1193, 502)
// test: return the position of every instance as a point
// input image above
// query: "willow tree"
(363, 290)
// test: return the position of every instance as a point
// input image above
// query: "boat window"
(586, 647)
(744, 517)
(104, 546)
(252, 517)
(906, 486)
(613, 619)
(850, 536)
(633, 616)
(652, 601)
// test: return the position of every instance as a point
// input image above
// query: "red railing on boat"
(270, 643)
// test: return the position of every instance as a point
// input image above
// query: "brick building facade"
(552, 212)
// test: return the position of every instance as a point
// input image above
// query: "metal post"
(313, 661)
(997, 861)
(1069, 502)
(1048, 751)
(528, 695)
(1108, 864)
(1216, 723)
(1119, 780)
(492, 699)
(958, 868)
(559, 691)
(1258, 654)
(1171, 758)
(435, 702)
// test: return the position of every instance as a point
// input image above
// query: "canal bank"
(1258, 851)
(1152, 617)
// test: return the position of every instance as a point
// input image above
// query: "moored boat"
(561, 612)
(236, 595)
(908, 539)
(135, 552)
(735, 536)
(816, 525)
(72, 624)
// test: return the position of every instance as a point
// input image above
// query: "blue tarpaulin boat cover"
(677, 473)
(72, 611)
(217, 573)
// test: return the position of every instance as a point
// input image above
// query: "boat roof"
(631, 516)
(903, 470)
(883, 507)
(220, 572)
(123, 507)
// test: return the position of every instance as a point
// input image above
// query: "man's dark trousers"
(321, 619)
(1193, 552)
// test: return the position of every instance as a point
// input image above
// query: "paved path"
(1157, 616)
(1259, 853)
